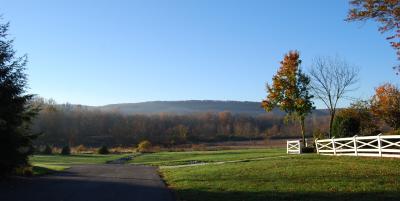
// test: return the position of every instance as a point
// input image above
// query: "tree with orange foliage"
(290, 90)
(386, 104)
(386, 12)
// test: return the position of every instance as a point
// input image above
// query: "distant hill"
(193, 106)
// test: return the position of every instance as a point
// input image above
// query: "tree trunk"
(331, 123)
(303, 131)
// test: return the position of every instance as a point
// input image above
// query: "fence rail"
(293, 147)
(380, 146)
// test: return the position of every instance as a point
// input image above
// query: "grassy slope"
(43, 164)
(295, 177)
(182, 158)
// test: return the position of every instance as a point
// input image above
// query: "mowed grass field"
(195, 157)
(43, 164)
(270, 174)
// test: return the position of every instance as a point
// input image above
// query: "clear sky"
(101, 52)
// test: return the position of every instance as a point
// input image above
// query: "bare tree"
(331, 79)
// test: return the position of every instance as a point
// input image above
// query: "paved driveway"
(90, 183)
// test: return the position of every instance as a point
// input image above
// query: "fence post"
(287, 147)
(299, 144)
(316, 145)
(355, 145)
(379, 145)
(333, 145)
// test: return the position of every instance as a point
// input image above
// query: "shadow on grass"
(38, 170)
(198, 195)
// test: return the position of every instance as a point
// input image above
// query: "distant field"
(191, 157)
(277, 177)
(43, 164)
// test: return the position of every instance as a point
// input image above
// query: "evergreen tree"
(16, 110)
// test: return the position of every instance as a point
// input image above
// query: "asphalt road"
(90, 183)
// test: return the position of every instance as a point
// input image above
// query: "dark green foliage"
(355, 120)
(362, 111)
(307, 150)
(345, 126)
(47, 150)
(103, 150)
(16, 110)
(66, 150)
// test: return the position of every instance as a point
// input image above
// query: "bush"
(122, 150)
(318, 134)
(144, 146)
(307, 150)
(66, 150)
(394, 132)
(345, 125)
(80, 149)
(24, 171)
(103, 150)
(47, 150)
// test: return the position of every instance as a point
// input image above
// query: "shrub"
(66, 150)
(144, 146)
(80, 149)
(24, 171)
(345, 125)
(103, 150)
(47, 150)
(307, 150)
(121, 150)
(394, 132)
(318, 134)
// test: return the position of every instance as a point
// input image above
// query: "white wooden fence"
(293, 147)
(380, 146)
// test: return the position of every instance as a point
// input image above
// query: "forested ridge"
(74, 125)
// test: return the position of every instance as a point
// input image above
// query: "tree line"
(65, 124)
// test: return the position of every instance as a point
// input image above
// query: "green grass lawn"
(183, 158)
(44, 164)
(293, 177)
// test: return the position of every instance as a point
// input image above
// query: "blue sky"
(102, 52)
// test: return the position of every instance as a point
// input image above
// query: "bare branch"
(332, 78)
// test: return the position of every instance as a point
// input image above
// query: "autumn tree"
(16, 111)
(290, 90)
(331, 80)
(385, 104)
(385, 12)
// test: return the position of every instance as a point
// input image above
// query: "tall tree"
(290, 90)
(385, 12)
(331, 80)
(16, 112)
(386, 104)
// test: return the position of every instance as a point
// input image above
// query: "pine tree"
(16, 110)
